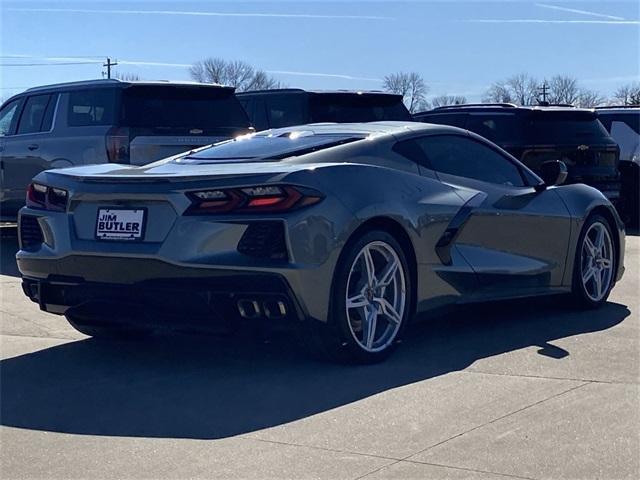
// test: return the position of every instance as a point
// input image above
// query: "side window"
(47, 120)
(33, 114)
(284, 111)
(464, 157)
(260, 120)
(91, 107)
(501, 128)
(8, 115)
(411, 150)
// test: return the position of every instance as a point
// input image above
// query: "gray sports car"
(346, 231)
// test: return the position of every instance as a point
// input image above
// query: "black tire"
(335, 339)
(579, 295)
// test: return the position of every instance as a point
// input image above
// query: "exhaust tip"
(249, 309)
(274, 310)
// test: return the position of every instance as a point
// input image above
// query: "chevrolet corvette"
(344, 231)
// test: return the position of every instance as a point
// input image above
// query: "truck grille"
(30, 232)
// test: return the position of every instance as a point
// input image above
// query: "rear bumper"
(219, 301)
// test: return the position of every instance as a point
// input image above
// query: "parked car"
(535, 135)
(293, 106)
(623, 124)
(101, 121)
(344, 230)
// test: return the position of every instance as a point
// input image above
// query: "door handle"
(33, 146)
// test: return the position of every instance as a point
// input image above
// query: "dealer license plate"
(120, 224)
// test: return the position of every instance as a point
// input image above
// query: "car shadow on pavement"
(8, 249)
(211, 387)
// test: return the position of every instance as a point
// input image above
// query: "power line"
(45, 64)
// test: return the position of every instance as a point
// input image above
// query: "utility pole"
(544, 91)
(109, 64)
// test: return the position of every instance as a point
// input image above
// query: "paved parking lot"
(528, 389)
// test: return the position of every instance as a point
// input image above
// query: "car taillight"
(117, 140)
(48, 198)
(259, 199)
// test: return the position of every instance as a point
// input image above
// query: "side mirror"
(552, 172)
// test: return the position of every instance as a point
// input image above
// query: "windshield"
(172, 107)
(347, 108)
(272, 147)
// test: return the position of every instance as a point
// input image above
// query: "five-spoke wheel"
(376, 296)
(595, 263)
(370, 301)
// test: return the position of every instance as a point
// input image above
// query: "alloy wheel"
(597, 261)
(376, 296)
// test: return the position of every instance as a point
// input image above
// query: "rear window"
(347, 108)
(559, 128)
(454, 119)
(180, 108)
(270, 147)
(285, 110)
(91, 107)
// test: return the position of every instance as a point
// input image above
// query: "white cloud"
(581, 12)
(199, 14)
(317, 74)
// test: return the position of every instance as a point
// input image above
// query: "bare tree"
(236, 73)
(524, 89)
(127, 76)
(628, 94)
(589, 99)
(521, 89)
(564, 89)
(498, 92)
(444, 100)
(411, 86)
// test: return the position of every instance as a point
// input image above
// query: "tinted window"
(7, 116)
(260, 120)
(33, 114)
(411, 150)
(270, 147)
(501, 128)
(560, 128)
(453, 119)
(171, 109)
(92, 107)
(464, 157)
(285, 110)
(346, 108)
(47, 120)
(630, 119)
(257, 111)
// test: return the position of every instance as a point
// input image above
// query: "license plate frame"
(122, 235)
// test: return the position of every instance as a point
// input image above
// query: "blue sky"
(459, 47)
